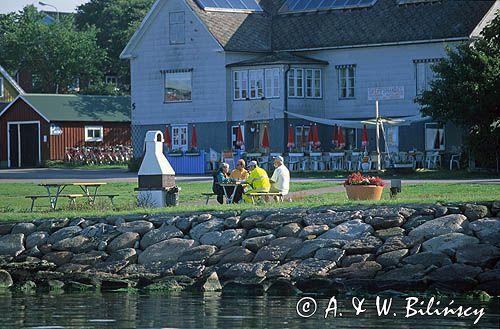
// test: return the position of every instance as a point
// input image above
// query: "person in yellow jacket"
(258, 181)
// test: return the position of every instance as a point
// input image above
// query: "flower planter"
(174, 154)
(364, 192)
(403, 165)
(296, 154)
(253, 154)
(336, 154)
(315, 154)
(192, 154)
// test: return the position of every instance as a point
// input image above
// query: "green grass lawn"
(13, 205)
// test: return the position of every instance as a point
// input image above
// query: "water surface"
(216, 310)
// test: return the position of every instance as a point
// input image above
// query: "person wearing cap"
(239, 173)
(258, 181)
(280, 181)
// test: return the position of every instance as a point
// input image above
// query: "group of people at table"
(252, 179)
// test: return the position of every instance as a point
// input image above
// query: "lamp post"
(49, 5)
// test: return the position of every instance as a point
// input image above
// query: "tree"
(55, 52)
(467, 93)
(115, 21)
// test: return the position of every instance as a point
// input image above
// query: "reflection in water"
(211, 310)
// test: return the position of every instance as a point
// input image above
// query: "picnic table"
(229, 198)
(54, 192)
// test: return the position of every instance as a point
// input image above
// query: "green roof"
(81, 107)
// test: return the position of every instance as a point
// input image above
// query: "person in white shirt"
(280, 181)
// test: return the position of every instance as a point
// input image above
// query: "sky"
(7, 6)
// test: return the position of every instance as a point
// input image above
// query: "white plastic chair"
(433, 159)
(455, 158)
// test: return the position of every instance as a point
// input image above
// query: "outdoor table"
(229, 198)
(59, 187)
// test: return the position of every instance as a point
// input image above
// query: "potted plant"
(316, 152)
(175, 153)
(403, 164)
(359, 187)
(193, 151)
(253, 153)
(296, 152)
(336, 152)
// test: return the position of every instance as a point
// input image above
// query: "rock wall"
(328, 249)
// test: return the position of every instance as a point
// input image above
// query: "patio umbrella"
(168, 140)
(437, 141)
(310, 136)
(316, 141)
(291, 141)
(335, 137)
(239, 136)
(265, 139)
(194, 143)
(364, 137)
(341, 138)
(303, 137)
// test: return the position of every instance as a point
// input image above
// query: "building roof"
(386, 21)
(13, 82)
(382, 22)
(78, 107)
(282, 57)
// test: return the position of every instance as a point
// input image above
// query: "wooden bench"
(254, 195)
(110, 196)
(71, 197)
(208, 195)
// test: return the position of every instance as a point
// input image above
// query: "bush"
(134, 164)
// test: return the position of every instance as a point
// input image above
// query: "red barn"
(38, 127)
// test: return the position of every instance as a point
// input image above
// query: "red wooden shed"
(38, 127)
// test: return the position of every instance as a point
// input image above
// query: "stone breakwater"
(328, 249)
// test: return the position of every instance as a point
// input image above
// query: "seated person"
(221, 176)
(239, 173)
(280, 181)
(257, 180)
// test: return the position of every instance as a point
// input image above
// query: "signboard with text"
(386, 93)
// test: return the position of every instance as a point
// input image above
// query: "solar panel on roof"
(229, 5)
(291, 6)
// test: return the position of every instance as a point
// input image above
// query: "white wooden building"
(220, 63)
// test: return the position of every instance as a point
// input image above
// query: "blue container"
(188, 164)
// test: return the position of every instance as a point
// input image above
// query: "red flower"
(356, 178)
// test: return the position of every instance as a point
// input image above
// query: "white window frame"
(234, 131)
(111, 79)
(180, 137)
(93, 138)
(431, 128)
(170, 73)
(256, 83)
(313, 83)
(296, 83)
(176, 28)
(347, 81)
(272, 81)
(298, 135)
(424, 74)
(240, 85)
(1, 87)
